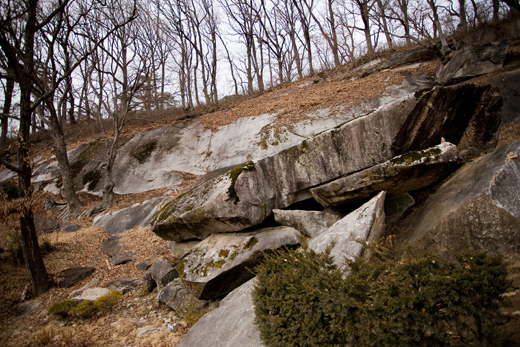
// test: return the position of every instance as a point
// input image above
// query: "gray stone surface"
(309, 223)
(114, 248)
(124, 285)
(231, 324)
(222, 262)
(71, 228)
(91, 284)
(367, 223)
(474, 60)
(411, 171)
(143, 266)
(179, 249)
(477, 208)
(92, 294)
(162, 272)
(75, 274)
(175, 296)
(397, 59)
(135, 216)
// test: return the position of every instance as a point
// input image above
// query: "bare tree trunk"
(9, 87)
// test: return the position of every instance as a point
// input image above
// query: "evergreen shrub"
(409, 298)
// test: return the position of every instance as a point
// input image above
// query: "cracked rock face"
(477, 208)
(222, 262)
(401, 174)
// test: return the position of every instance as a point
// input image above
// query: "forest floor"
(121, 324)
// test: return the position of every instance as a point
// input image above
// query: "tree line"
(79, 60)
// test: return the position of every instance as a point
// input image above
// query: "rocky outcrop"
(222, 262)
(401, 174)
(92, 294)
(367, 223)
(477, 208)
(474, 60)
(246, 195)
(309, 223)
(231, 324)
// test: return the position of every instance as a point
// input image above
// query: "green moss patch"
(252, 241)
(417, 156)
(143, 152)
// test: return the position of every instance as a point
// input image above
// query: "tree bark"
(9, 87)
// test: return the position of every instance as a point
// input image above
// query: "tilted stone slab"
(231, 324)
(479, 208)
(367, 223)
(175, 296)
(474, 60)
(222, 262)
(162, 272)
(404, 173)
(74, 274)
(246, 195)
(309, 223)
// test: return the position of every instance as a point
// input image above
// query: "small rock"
(143, 266)
(147, 329)
(71, 228)
(86, 286)
(125, 285)
(75, 274)
(92, 294)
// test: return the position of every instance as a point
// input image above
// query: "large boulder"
(407, 172)
(479, 207)
(222, 262)
(136, 216)
(367, 223)
(309, 223)
(231, 324)
(474, 60)
(178, 298)
(161, 273)
(246, 195)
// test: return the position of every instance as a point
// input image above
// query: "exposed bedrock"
(246, 195)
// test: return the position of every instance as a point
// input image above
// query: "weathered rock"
(26, 308)
(125, 285)
(309, 223)
(396, 205)
(91, 284)
(466, 115)
(71, 228)
(162, 272)
(143, 266)
(75, 274)
(175, 296)
(92, 294)
(404, 173)
(180, 249)
(246, 195)
(474, 60)
(114, 248)
(222, 262)
(45, 225)
(397, 59)
(367, 223)
(479, 208)
(231, 324)
(135, 216)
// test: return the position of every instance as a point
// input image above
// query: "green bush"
(62, 308)
(397, 299)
